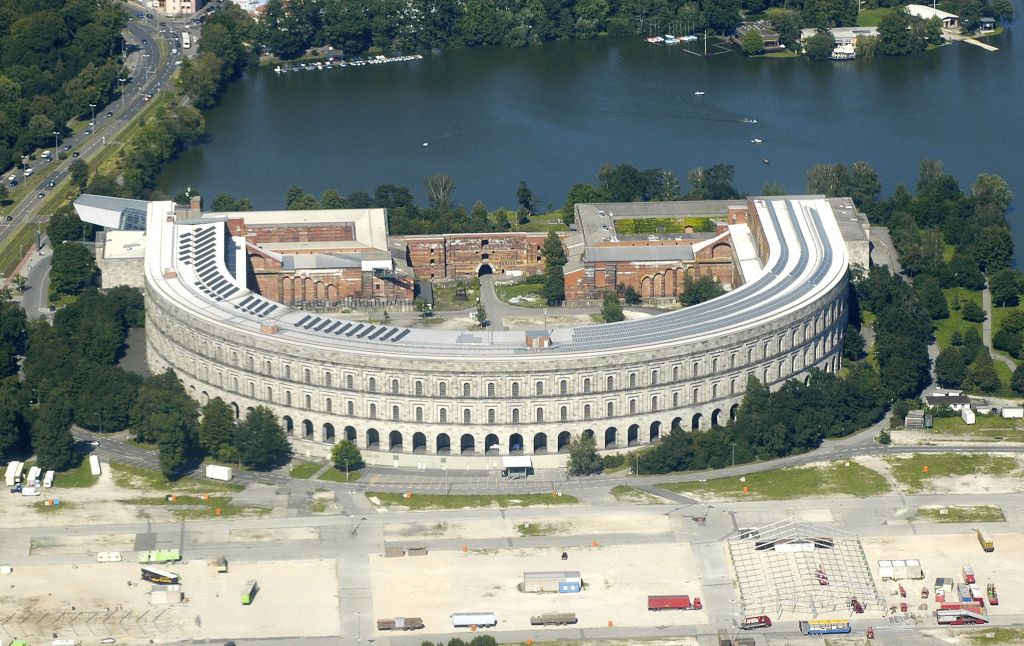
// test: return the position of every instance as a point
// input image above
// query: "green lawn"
(989, 428)
(910, 472)
(872, 17)
(960, 514)
(43, 508)
(132, 477)
(999, 636)
(15, 247)
(420, 502)
(76, 477)
(304, 470)
(444, 299)
(193, 507)
(786, 54)
(833, 479)
(541, 222)
(508, 292)
(337, 475)
(945, 328)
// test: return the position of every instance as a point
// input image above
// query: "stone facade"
(463, 255)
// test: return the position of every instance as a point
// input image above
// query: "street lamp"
(55, 157)
(733, 454)
(92, 106)
(120, 86)
(359, 628)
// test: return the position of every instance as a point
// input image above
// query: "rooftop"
(926, 12)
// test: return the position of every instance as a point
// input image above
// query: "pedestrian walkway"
(986, 330)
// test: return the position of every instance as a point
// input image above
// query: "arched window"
(467, 416)
(418, 387)
(586, 411)
(563, 387)
(732, 386)
(539, 388)
(632, 406)
(515, 389)
(632, 380)
(654, 403)
(252, 389)
(675, 400)
(540, 415)
(442, 389)
(714, 365)
(696, 369)
(696, 395)
(465, 389)
(308, 401)
(750, 355)
(611, 383)
(611, 409)
(373, 411)
(714, 391)
(349, 382)
(654, 377)
(419, 414)
(490, 389)
(563, 414)
(394, 413)
(250, 363)
(442, 415)
(270, 394)
(307, 376)
(350, 407)
(328, 406)
(732, 360)
(287, 371)
(515, 415)
(394, 386)
(327, 379)
(675, 373)
(268, 368)
(372, 385)
(586, 385)
(288, 398)
(491, 416)
(234, 384)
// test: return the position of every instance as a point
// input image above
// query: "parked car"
(74, 154)
(110, 114)
(41, 195)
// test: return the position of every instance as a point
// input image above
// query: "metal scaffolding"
(801, 567)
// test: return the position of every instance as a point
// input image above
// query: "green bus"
(249, 592)
(159, 556)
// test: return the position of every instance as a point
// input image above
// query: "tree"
(751, 42)
(819, 47)
(217, 430)
(583, 458)
(262, 441)
(439, 187)
(931, 296)
(722, 15)
(297, 199)
(982, 374)
(1017, 380)
(52, 442)
(631, 296)
(79, 173)
(73, 268)
(993, 248)
(554, 285)
(331, 199)
(894, 35)
(1005, 286)
(13, 336)
(65, 225)
(525, 197)
(345, 455)
(163, 413)
(950, 370)
(864, 184)
(853, 345)
(972, 312)
(14, 404)
(831, 180)
(611, 311)
(481, 314)
(698, 291)
(554, 261)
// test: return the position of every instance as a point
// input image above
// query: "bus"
(154, 575)
(159, 556)
(249, 592)
(186, 40)
(825, 627)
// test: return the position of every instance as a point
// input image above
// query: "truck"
(968, 574)
(993, 598)
(48, 479)
(986, 540)
(30, 491)
(159, 556)
(13, 474)
(221, 564)
(759, 621)
(960, 614)
(554, 619)
(400, 623)
(33, 475)
(249, 591)
(825, 627)
(217, 472)
(657, 602)
(470, 619)
(94, 465)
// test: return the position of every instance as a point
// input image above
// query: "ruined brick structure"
(460, 255)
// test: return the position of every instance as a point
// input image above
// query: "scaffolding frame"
(780, 567)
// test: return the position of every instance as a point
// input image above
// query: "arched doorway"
(655, 432)
(249, 410)
(289, 425)
(540, 443)
(329, 433)
(491, 444)
(419, 443)
(677, 424)
(372, 439)
(234, 407)
(696, 421)
(443, 444)
(395, 441)
(515, 444)
(633, 435)
(467, 445)
(589, 433)
(484, 270)
(307, 429)
(563, 441)
(734, 411)
(716, 417)
(610, 437)
(350, 433)
(205, 398)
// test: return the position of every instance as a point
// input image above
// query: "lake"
(552, 115)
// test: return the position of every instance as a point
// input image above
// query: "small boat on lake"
(748, 120)
(756, 141)
(699, 93)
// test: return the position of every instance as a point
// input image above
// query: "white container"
(108, 557)
(48, 479)
(94, 465)
(29, 491)
(217, 472)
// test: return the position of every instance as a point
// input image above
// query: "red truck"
(968, 574)
(760, 621)
(673, 602)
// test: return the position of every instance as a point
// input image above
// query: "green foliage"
(164, 414)
(631, 296)
(950, 368)
(346, 456)
(751, 42)
(645, 226)
(853, 346)
(52, 443)
(698, 291)
(982, 374)
(819, 46)
(713, 183)
(1006, 287)
(973, 312)
(14, 402)
(13, 336)
(583, 458)
(611, 310)
(79, 170)
(884, 437)
(524, 197)
(554, 261)
(262, 441)
(481, 314)
(165, 133)
(105, 397)
(65, 225)
(73, 268)
(1017, 380)
(217, 431)
(931, 296)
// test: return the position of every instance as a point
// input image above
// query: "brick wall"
(461, 255)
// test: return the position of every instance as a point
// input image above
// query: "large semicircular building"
(429, 398)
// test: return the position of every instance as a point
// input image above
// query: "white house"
(949, 20)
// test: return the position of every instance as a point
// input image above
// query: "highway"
(143, 50)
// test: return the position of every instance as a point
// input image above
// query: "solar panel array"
(197, 246)
(350, 329)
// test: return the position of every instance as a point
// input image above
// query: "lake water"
(552, 115)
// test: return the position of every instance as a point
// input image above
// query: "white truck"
(48, 479)
(30, 491)
(33, 475)
(217, 472)
(13, 474)
(94, 465)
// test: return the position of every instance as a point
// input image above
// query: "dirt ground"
(470, 529)
(109, 599)
(617, 580)
(944, 556)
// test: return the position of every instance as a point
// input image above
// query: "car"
(41, 195)
(10, 217)
(88, 132)
(66, 147)
(108, 640)
(110, 114)
(16, 488)
(94, 443)
(144, 41)
(149, 15)
(13, 183)
(51, 183)
(140, 15)
(92, 123)
(74, 154)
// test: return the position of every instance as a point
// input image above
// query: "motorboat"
(748, 120)
(756, 141)
(699, 93)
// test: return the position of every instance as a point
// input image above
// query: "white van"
(28, 172)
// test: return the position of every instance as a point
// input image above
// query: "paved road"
(986, 330)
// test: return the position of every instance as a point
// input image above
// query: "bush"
(613, 461)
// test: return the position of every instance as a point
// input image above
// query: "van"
(986, 540)
(28, 172)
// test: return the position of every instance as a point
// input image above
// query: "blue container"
(569, 586)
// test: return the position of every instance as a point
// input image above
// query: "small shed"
(917, 420)
(986, 23)
(552, 581)
(1012, 412)
(516, 466)
(968, 416)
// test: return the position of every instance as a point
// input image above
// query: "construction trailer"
(94, 465)
(562, 582)
(13, 474)
(825, 627)
(657, 602)
(159, 556)
(48, 479)
(554, 619)
(900, 569)
(34, 474)
(400, 623)
(985, 539)
(471, 619)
